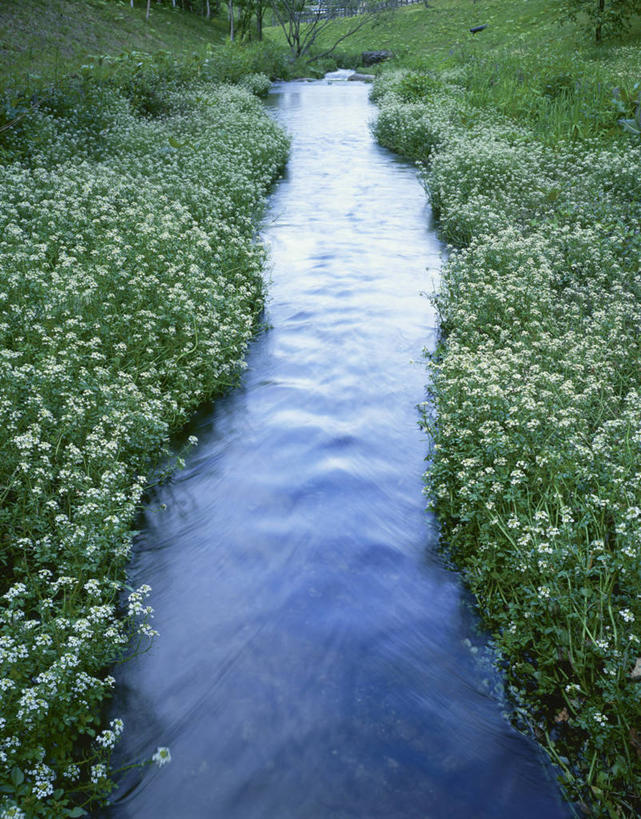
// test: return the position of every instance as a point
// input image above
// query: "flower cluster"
(131, 287)
(535, 413)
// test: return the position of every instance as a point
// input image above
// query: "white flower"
(161, 757)
(98, 772)
(12, 812)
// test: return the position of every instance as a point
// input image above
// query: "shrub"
(258, 84)
(415, 86)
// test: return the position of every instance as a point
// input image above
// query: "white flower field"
(131, 286)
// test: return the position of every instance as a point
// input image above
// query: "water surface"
(312, 661)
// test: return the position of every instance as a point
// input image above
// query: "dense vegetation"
(535, 397)
(131, 286)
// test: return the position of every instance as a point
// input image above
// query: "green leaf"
(17, 777)
(77, 812)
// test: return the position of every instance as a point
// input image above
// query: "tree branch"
(367, 19)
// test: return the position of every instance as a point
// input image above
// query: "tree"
(302, 21)
(230, 8)
(248, 10)
(612, 15)
(259, 11)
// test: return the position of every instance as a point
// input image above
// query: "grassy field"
(51, 39)
(438, 36)
(431, 34)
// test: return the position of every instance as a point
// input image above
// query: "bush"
(416, 87)
(258, 84)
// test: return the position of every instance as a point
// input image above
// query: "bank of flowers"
(535, 415)
(131, 285)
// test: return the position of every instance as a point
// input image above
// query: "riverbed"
(316, 657)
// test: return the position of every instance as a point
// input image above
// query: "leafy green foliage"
(535, 417)
(415, 86)
(258, 84)
(609, 16)
(131, 287)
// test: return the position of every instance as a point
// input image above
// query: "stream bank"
(314, 657)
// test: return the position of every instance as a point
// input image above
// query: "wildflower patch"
(131, 287)
(535, 416)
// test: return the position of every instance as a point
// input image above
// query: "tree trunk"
(231, 20)
(259, 21)
(599, 22)
(148, 9)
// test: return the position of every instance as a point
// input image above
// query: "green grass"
(528, 64)
(51, 38)
(431, 34)
(439, 36)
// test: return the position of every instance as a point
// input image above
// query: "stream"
(316, 657)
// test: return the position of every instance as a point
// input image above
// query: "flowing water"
(314, 658)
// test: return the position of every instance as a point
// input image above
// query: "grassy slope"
(50, 38)
(434, 32)
(439, 36)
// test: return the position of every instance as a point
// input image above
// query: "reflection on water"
(312, 661)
